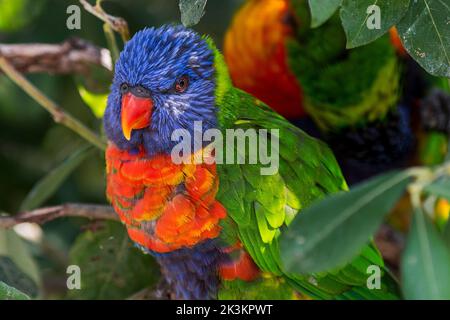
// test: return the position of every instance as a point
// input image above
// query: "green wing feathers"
(262, 206)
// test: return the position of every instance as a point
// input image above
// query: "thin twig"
(112, 43)
(71, 56)
(118, 24)
(46, 214)
(58, 114)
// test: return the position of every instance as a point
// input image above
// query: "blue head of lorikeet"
(164, 80)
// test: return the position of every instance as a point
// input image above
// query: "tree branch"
(118, 24)
(58, 114)
(46, 214)
(71, 56)
(112, 43)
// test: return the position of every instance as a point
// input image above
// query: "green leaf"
(333, 231)
(111, 267)
(47, 186)
(322, 10)
(425, 262)
(10, 293)
(355, 16)
(447, 234)
(424, 31)
(95, 101)
(13, 275)
(440, 188)
(192, 11)
(17, 266)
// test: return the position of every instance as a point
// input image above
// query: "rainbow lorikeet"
(352, 95)
(213, 227)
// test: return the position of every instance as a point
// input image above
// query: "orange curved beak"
(136, 113)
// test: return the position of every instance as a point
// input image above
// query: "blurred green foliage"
(17, 14)
(32, 145)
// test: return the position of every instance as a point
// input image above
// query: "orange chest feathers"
(165, 206)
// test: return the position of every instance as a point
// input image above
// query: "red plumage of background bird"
(256, 54)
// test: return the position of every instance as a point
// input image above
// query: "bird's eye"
(181, 84)
(124, 88)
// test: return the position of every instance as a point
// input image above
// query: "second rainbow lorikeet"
(214, 227)
(352, 96)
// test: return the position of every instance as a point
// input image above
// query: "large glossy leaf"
(10, 293)
(333, 231)
(425, 262)
(111, 267)
(192, 11)
(17, 267)
(322, 10)
(440, 188)
(424, 31)
(355, 15)
(47, 186)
